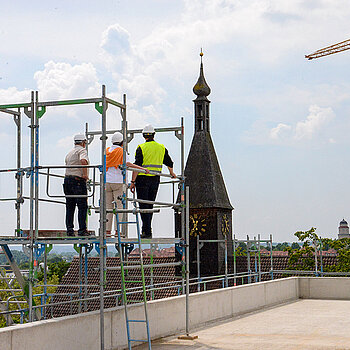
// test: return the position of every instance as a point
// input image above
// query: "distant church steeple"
(201, 103)
(343, 230)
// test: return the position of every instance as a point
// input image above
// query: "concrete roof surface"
(304, 324)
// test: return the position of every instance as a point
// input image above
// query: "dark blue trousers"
(147, 188)
(75, 186)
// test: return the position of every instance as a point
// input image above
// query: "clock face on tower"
(197, 225)
(225, 225)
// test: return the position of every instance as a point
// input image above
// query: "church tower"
(210, 208)
(343, 230)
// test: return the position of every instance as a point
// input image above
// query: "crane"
(330, 50)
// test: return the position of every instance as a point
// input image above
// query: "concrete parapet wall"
(324, 288)
(167, 317)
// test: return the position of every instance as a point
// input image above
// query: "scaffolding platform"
(84, 240)
(54, 233)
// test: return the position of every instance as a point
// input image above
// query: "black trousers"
(75, 186)
(147, 188)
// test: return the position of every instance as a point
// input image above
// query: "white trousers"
(113, 191)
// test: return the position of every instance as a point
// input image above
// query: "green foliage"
(281, 246)
(304, 258)
(342, 246)
(295, 245)
(57, 268)
(39, 289)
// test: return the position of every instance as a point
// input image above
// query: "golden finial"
(201, 54)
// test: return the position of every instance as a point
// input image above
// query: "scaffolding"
(39, 242)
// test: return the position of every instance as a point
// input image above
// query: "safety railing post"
(187, 259)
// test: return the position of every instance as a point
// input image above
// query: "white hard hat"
(117, 137)
(79, 138)
(148, 129)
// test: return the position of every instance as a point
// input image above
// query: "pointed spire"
(201, 89)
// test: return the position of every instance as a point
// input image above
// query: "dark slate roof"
(203, 175)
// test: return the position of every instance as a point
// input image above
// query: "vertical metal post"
(125, 150)
(226, 264)
(316, 262)
(45, 279)
(198, 264)
(19, 176)
(182, 183)
(271, 258)
(36, 165)
(187, 258)
(31, 205)
(80, 276)
(153, 248)
(85, 276)
(321, 257)
(259, 257)
(103, 215)
(248, 259)
(255, 262)
(234, 261)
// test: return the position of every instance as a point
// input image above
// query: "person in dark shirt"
(150, 155)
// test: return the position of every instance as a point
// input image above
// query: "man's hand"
(132, 187)
(146, 170)
(173, 175)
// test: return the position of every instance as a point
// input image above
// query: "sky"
(279, 122)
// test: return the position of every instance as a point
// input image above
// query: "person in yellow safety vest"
(114, 177)
(150, 155)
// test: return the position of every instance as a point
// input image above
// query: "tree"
(295, 245)
(281, 246)
(303, 258)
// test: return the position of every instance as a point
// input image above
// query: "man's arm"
(171, 171)
(85, 170)
(169, 163)
(138, 163)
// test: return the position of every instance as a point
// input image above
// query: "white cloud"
(280, 131)
(317, 119)
(13, 95)
(63, 81)
(307, 129)
(65, 143)
(115, 40)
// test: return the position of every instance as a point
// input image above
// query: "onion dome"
(201, 89)
(343, 223)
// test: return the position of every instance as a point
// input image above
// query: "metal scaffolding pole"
(234, 261)
(103, 216)
(187, 259)
(19, 175)
(248, 260)
(271, 258)
(31, 213)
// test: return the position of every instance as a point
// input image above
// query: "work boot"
(84, 233)
(145, 235)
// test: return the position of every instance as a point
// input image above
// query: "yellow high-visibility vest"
(153, 156)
